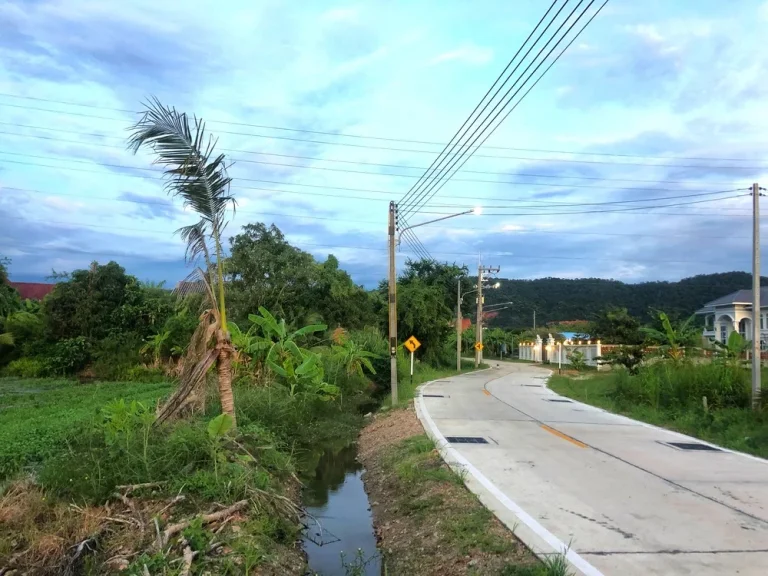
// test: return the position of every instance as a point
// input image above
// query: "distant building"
(32, 290)
(733, 313)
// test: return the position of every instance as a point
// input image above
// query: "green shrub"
(145, 374)
(27, 368)
(69, 356)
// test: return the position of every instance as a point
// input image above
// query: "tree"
(616, 326)
(9, 296)
(199, 176)
(731, 351)
(673, 338)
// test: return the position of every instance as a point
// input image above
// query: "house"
(32, 290)
(734, 313)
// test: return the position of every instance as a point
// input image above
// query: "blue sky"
(655, 79)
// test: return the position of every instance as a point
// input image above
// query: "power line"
(414, 151)
(377, 164)
(142, 169)
(357, 220)
(469, 121)
(427, 195)
(368, 137)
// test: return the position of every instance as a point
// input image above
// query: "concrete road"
(609, 489)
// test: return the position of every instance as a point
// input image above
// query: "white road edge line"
(447, 450)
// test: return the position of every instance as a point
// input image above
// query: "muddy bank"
(425, 520)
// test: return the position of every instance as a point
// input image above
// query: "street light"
(477, 210)
(394, 241)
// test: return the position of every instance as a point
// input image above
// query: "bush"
(145, 374)
(27, 368)
(69, 356)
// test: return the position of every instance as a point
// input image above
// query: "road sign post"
(411, 345)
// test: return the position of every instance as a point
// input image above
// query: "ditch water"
(339, 538)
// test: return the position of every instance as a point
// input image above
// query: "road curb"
(524, 526)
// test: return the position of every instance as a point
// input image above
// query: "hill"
(559, 299)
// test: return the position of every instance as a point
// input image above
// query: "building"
(32, 290)
(734, 313)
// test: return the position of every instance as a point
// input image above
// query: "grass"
(36, 415)
(425, 373)
(432, 496)
(671, 396)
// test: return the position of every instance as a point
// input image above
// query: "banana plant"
(275, 339)
(673, 339)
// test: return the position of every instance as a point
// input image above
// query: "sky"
(330, 111)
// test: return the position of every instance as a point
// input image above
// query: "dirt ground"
(426, 521)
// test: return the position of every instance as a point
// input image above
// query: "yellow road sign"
(412, 344)
(478, 346)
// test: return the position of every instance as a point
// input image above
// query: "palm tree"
(200, 178)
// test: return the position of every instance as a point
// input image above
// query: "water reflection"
(338, 517)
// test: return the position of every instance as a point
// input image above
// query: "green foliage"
(68, 356)
(732, 351)
(26, 368)
(266, 271)
(616, 326)
(673, 338)
(630, 357)
(576, 358)
(39, 415)
(557, 299)
(9, 297)
(219, 426)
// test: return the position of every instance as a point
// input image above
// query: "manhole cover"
(559, 400)
(692, 446)
(432, 396)
(466, 440)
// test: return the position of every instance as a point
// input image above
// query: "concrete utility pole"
(534, 320)
(479, 325)
(458, 326)
(392, 298)
(756, 352)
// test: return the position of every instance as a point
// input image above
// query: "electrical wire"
(436, 188)
(469, 121)
(368, 137)
(415, 151)
(377, 164)
(159, 177)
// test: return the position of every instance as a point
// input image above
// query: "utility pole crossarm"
(481, 270)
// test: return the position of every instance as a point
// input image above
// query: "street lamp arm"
(400, 235)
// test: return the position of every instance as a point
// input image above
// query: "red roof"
(32, 290)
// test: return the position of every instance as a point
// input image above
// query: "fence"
(551, 352)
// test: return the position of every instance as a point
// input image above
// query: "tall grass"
(670, 385)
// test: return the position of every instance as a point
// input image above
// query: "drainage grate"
(692, 446)
(532, 385)
(466, 440)
(559, 400)
(432, 396)
(441, 380)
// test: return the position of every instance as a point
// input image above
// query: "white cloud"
(468, 54)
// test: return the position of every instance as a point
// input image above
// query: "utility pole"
(458, 326)
(479, 325)
(392, 298)
(534, 320)
(756, 352)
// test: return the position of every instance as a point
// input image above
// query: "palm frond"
(187, 155)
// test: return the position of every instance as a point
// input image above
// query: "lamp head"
(478, 210)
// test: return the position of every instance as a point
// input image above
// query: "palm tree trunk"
(224, 371)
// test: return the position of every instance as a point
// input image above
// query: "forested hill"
(558, 299)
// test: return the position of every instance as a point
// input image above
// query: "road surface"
(564, 474)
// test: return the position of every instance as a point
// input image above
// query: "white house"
(734, 313)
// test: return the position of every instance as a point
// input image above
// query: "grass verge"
(427, 522)
(722, 422)
(425, 373)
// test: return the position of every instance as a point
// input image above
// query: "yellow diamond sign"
(412, 344)
(478, 346)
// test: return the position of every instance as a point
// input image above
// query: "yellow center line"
(486, 392)
(563, 436)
